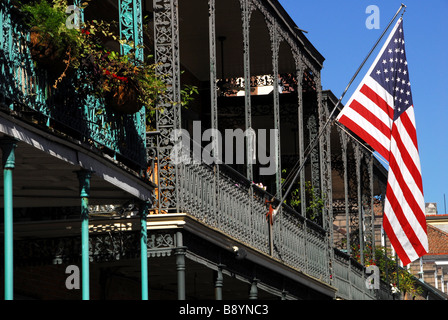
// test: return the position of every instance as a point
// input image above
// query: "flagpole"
(314, 142)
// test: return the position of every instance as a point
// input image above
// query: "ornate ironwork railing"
(223, 199)
(30, 94)
(350, 279)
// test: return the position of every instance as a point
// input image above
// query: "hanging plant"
(125, 83)
(53, 46)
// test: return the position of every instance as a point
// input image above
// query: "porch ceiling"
(194, 41)
(43, 180)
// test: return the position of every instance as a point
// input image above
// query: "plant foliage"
(104, 70)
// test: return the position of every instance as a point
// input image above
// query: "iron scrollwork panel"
(166, 37)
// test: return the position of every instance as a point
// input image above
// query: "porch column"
(300, 130)
(219, 279)
(144, 249)
(8, 148)
(246, 11)
(358, 158)
(253, 292)
(180, 252)
(84, 190)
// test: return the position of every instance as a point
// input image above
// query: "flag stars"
(392, 73)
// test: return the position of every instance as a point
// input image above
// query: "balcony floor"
(44, 173)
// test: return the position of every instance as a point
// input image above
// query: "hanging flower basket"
(123, 99)
(45, 54)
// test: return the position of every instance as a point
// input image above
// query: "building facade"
(96, 193)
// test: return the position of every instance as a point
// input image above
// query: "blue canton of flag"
(391, 72)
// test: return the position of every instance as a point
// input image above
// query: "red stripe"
(372, 118)
(380, 102)
(410, 128)
(407, 159)
(353, 126)
(395, 205)
(394, 241)
(407, 193)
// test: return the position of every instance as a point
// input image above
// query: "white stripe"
(399, 233)
(368, 127)
(377, 111)
(407, 210)
(380, 91)
(407, 176)
(408, 142)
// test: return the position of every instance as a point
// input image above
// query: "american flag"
(381, 112)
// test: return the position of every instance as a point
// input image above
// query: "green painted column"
(84, 191)
(8, 149)
(144, 249)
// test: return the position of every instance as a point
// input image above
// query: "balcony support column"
(144, 249)
(130, 17)
(219, 279)
(84, 192)
(167, 59)
(253, 292)
(246, 12)
(180, 252)
(300, 125)
(8, 148)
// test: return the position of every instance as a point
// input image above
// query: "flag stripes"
(381, 113)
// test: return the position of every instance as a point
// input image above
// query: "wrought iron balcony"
(225, 200)
(27, 93)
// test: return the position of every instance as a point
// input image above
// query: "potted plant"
(124, 82)
(53, 46)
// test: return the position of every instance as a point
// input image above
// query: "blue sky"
(338, 31)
